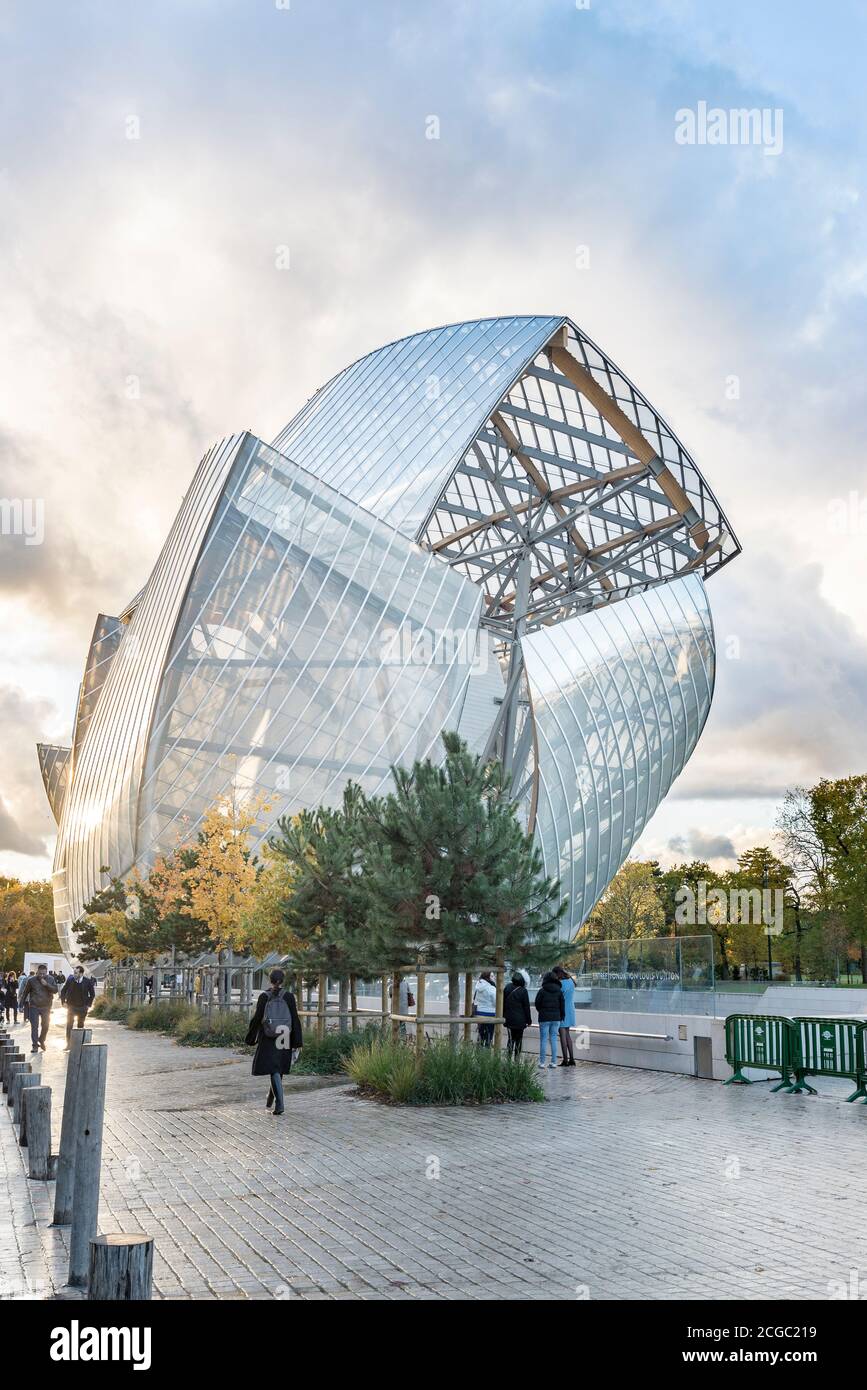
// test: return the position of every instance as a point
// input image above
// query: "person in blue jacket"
(568, 1020)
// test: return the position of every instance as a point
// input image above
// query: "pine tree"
(120, 920)
(450, 876)
(325, 910)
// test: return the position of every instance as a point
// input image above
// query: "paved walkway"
(630, 1184)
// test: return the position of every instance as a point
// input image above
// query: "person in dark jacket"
(77, 995)
(10, 995)
(516, 1012)
(38, 996)
(22, 981)
(275, 1010)
(550, 1008)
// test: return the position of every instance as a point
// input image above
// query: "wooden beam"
(590, 388)
(705, 554)
(513, 444)
(616, 475)
(648, 530)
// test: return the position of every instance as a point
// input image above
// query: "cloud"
(696, 844)
(16, 840)
(145, 315)
(790, 704)
(27, 826)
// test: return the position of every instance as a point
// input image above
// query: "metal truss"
(573, 494)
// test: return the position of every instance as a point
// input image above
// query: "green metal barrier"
(764, 1041)
(830, 1047)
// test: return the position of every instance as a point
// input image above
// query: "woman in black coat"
(9, 994)
(516, 1012)
(273, 1055)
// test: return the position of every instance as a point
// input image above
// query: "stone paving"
(629, 1184)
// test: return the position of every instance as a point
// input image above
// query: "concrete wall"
(810, 1001)
(675, 1053)
(615, 1038)
(619, 1037)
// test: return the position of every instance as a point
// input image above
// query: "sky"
(208, 207)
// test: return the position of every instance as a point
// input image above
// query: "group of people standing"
(555, 1010)
(34, 995)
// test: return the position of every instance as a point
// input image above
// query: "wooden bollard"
(23, 1083)
(15, 1070)
(15, 1090)
(63, 1192)
(9, 1056)
(5, 1050)
(36, 1109)
(121, 1268)
(89, 1110)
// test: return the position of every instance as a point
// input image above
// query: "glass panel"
(315, 644)
(655, 974)
(388, 430)
(620, 696)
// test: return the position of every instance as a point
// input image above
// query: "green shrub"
(442, 1074)
(327, 1056)
(161, 1018)
(224, 1029)
(115, 1011)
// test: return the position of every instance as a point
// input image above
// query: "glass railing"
(671, 974)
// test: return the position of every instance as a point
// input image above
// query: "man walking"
(37, 995)
(22, 981)
(77, 995)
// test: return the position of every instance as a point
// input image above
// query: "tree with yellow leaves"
(222, 878)
(630, 907)
(108, 929)
(263, 921)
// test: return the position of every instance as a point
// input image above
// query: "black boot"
(270, 1101)
(278, 1110)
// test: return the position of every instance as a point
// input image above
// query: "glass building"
(483, 527)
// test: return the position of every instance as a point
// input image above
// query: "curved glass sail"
(103, 646)
(98, 827)
(54, 766)
(619, 696)
(483, 527)
(315, 645)
(388, 430)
